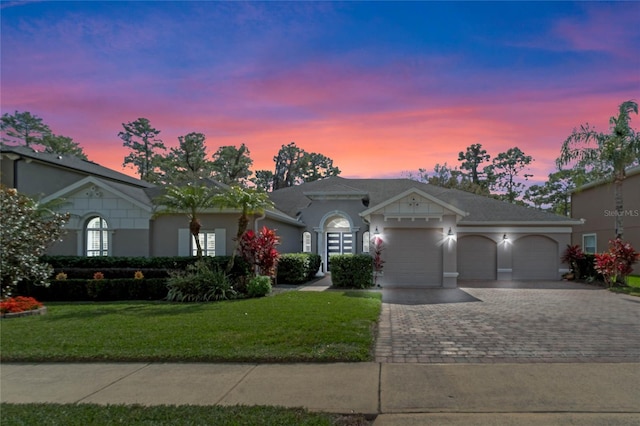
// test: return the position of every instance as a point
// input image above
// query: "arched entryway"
(339, 236)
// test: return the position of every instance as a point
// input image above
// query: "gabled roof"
(418, 192)
(481, 210)
(132, 194)
(71, 162)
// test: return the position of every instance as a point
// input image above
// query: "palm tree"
(249, 201)
(189, 199)
(613, 152)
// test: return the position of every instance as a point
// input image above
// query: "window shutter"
(221, 241)
(184, 242)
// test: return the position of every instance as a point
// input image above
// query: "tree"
(190, 199)
(56, 144)
(249, 201)
(472, 159)
(611, 153)
(294, 165)
(317, 166)
(288, 165)
(140, 138)
(507, 165)
(187, 162)
(263, 180)
(444, 176)
(232, 165)
(22, 128)
(28, 228)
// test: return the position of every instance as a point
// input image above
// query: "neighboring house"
(595, 203)
(432, 236)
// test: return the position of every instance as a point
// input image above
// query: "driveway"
(491, 322)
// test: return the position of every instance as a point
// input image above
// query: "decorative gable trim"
(95, 185)
(413, 204)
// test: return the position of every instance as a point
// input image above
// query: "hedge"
(118, 272)
(98, 290)
(297, 268)
(352, 270)
(125, 267)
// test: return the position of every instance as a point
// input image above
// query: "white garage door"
(413, 258)
(535, 258)
(476, 258)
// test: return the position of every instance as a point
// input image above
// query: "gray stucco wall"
(290, 235)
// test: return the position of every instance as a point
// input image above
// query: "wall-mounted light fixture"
(504, 237)
(450, 233)
(376, 232)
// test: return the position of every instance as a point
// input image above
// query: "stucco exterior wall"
(290, 235)
(596, 205)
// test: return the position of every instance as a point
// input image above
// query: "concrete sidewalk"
(398, 394)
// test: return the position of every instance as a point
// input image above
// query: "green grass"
(633, 281)
(632, 288)
(289, 327)
(97, 415)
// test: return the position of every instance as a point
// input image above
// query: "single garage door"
(535, 258)
(413, 258)
(476, 258)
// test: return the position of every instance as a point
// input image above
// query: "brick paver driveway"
(509, 322)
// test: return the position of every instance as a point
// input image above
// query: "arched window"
(306, 242)
(366, 241)
(97, 237)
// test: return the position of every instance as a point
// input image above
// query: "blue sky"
(381, 87)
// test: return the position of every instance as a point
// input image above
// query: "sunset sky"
(382, 88)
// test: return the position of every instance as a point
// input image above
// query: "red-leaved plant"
(615, 265)
(260, 250)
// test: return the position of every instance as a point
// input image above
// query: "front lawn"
(289, 327)
(91, 414)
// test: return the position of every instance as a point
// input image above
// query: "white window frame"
(306, 242)
(207, 239)
(97, 237)
(595, 243)
(366, 242)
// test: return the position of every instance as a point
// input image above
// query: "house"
(595, 203)
(432, 236)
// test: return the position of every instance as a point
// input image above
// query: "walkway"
(398, 394)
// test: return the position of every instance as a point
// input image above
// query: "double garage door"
(533, 257)
(413, 258)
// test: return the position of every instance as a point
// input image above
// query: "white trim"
(568, 222)
(515, 230)
(450, 274)
(584, 246)
(410, 191)
(503, 270)
(90, 180)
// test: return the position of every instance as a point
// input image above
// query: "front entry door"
(338, 243)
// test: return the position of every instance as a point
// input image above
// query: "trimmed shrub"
(259, 286)
(72, 290)
(124, 264)
(297, 268)
(352, 270)
(200, 283)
